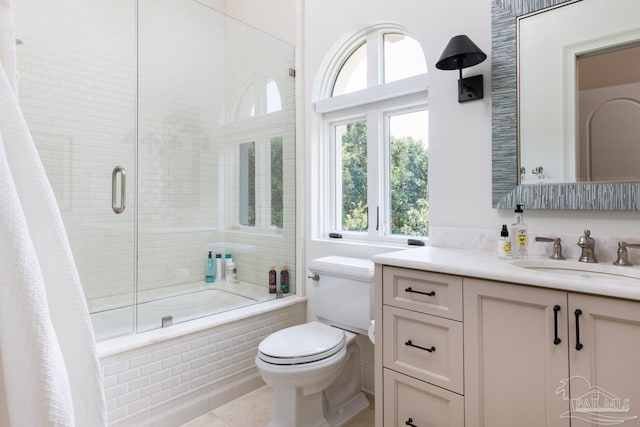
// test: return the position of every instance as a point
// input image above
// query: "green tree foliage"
(409, 190)
(354, 177)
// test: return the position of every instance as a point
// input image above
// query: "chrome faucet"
(588, 245)
(623, 253)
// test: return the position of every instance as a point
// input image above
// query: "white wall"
(460, 134)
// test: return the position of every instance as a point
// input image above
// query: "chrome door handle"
(118, 208)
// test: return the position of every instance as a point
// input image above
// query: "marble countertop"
(486, 265)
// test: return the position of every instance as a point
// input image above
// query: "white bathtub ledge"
(132, 342)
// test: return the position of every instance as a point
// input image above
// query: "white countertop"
(486, 265)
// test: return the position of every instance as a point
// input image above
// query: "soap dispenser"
(519, 241)
(504, 244)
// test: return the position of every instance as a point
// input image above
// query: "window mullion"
(374, 59)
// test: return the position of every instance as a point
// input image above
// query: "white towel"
(49, 370)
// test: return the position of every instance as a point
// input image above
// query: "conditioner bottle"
(284, 280)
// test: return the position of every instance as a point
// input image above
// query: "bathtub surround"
(169, 376)
(49, 373)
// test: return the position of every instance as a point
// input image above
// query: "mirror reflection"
(579, 93)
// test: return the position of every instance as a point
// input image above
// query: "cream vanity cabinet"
(524, 356)
(421, 348)
(533, 355)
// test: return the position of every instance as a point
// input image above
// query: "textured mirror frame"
(504, 102)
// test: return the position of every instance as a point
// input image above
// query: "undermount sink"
(579, 270)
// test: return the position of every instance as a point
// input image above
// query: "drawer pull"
(410, 344)
(409, 422)
(579, 345)
(432, 293)
(556, 309)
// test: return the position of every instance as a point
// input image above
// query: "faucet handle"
(623, 254)
(557, 246)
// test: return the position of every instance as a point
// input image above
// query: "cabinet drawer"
(431, 293)
(426, 405)
(408, 337)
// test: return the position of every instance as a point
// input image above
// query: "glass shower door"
(77, 65)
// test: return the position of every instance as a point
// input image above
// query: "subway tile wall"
(169, 108)
(174, 381)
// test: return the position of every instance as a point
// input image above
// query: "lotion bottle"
(519, 239)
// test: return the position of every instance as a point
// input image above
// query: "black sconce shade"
(461, 53)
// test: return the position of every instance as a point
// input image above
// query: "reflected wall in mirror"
(578, 112)
(505, 106)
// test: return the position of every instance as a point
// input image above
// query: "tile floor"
(254, 410)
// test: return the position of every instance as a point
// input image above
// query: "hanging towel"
(49, 370)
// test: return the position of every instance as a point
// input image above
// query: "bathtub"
(117, 322)
(168, 376)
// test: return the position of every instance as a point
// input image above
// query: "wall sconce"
(461, 53)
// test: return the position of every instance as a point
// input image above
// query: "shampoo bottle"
(273, 277)
(504, 244)
(519, 240)
(210, 276)
(284, 280)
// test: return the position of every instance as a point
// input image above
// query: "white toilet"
(314, 368)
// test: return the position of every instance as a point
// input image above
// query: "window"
(247, 185)
(276, 182)
(376, 139)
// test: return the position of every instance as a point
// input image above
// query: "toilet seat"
(301, 344)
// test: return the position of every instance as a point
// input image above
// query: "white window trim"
(376, 114)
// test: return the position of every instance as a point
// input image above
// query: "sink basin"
(579, 270)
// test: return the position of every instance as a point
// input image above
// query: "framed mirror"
(510, 182)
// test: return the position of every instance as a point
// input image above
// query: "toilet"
(314, 368)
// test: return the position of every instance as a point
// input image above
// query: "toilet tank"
(343, 295)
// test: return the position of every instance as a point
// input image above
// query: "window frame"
(375, 104)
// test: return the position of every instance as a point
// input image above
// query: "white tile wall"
(174, 381)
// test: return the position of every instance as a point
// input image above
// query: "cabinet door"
(512, 364)
(605, 379)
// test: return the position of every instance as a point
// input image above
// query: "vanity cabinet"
(421, 347)
(534, 355)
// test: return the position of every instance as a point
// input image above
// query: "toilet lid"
(301, 344)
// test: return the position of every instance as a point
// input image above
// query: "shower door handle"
(118, 208)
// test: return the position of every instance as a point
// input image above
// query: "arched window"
(375, 136)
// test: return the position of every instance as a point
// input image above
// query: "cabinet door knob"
(409, 422)
(410, 344)
(409, 289)
(579, 345)
(556, 339)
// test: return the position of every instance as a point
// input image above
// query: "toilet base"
(348, 410)
(309, 410)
